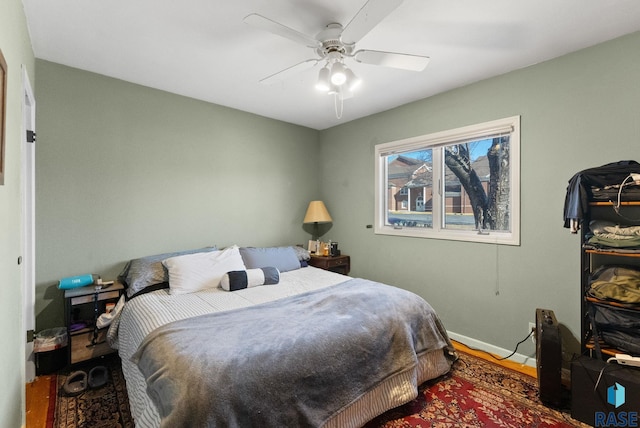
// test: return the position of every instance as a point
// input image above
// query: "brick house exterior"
(410, 186)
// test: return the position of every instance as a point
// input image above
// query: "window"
(461, 184)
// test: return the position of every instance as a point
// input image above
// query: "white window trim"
(439, 139)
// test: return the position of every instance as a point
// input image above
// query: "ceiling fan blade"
(368, 17)
(259, 21)
(294, 69)
(392, 59)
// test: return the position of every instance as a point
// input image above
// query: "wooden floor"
(522, 368)
(37, 398)
(38, 391)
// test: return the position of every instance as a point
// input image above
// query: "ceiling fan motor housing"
(331, 43)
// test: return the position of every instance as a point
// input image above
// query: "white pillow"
(194, 272)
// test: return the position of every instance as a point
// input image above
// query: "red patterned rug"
(103, 407)
(476, 393)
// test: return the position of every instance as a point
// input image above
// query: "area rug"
(477, 393)
(103, 407)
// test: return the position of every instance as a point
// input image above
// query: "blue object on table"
(75, 281)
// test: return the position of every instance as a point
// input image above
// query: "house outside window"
(461, 184)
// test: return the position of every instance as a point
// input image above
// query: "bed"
(266, 341)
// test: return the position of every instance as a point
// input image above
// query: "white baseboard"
(473, 343)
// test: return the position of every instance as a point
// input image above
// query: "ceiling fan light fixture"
(338, 73)
(323, 83)
(352, 81)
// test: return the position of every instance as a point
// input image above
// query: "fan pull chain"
(338, 106)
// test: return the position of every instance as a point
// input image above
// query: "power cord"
(501, 358)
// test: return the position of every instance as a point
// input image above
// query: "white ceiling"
(203, 49)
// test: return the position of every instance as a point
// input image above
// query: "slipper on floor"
(76, 383)
(98, 376)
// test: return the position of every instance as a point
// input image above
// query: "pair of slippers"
(78, 381)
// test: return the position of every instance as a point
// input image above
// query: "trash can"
(50, 347)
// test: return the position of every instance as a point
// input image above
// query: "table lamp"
(316, 213)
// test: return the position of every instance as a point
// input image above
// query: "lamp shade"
(323, 79)
(353, 81)
(338, 74)
(317, 213)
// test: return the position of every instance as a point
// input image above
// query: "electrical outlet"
(532, 328)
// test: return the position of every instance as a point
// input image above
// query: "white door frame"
(28, 258)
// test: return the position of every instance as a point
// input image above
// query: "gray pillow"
(302, 254)
(282, 258)
(144, 272)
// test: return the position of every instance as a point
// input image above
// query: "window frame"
(436, 141)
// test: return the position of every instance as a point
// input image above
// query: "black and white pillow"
(241, 279)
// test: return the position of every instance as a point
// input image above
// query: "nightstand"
(83, 306)
(340, 264)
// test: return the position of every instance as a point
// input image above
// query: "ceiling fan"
(335, 43)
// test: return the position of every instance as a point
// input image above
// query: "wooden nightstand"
(340, 264)
(84, 305)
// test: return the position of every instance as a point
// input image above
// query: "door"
(28, 221)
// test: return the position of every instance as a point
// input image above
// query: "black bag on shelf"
(617, 326)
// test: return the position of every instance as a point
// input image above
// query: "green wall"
(578, 111)
(16, 49)
(125, 171)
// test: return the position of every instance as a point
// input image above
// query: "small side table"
(85, 304)
(339, 264)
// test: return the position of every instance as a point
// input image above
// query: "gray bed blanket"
(296, 361)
